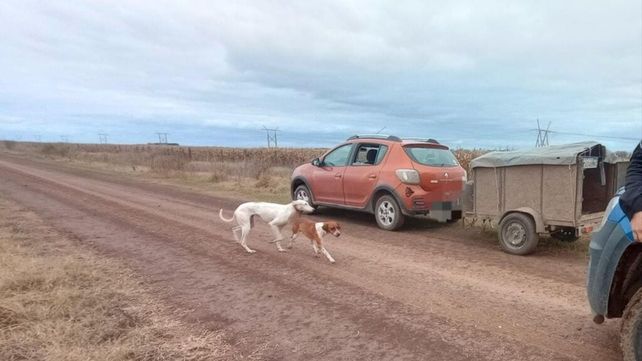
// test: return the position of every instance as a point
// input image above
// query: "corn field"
(465, 156)
(180, 158)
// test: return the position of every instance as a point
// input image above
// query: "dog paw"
(283, 250)
(251, 251)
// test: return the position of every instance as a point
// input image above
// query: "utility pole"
(64, 139)
(162, 138)
(272, 139)
(542, 135)
(102, 138)
(546, 133)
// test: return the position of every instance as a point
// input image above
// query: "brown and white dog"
(315, 231)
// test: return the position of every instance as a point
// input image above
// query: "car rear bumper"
(417, 201)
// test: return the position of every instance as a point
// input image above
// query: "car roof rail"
(429, 140)
(375, 136)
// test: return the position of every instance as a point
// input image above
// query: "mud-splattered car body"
(615, 276)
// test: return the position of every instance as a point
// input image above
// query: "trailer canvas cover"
(551, 155)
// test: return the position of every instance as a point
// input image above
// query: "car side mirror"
(316, 162)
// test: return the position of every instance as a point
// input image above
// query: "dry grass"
(259, 173)
(59, 301)
(165, 159)
(9, 144)
(579, 247)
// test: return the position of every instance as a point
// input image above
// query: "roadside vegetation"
(60, 301)
(257, 173)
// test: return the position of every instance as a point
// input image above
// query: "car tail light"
(408, 176)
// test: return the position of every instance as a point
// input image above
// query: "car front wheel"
(303, 193)
(631, 332)
(388, 213)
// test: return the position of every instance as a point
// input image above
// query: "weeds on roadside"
(59, 302)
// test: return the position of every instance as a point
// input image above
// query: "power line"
(592, 135)
(596, 136)
(543, 135)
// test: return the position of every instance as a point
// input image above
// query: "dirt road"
(426, 293)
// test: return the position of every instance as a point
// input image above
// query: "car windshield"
(434, 157)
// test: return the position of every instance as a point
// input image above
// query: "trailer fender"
(539, 222)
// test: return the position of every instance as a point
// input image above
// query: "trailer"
(559, 190)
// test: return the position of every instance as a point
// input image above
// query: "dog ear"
(325, 227)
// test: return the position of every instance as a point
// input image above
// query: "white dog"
(276, 215)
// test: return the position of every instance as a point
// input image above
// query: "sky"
(472, 74)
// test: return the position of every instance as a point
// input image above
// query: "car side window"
(369, 154)
(338, 157)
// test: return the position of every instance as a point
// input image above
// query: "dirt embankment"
(427, 293)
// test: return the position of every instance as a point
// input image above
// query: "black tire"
(517, 234)
(302, 192)
(388, 213)
(631, 331)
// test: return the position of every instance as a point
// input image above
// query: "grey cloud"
(469, 71)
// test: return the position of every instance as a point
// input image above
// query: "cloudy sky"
(470, 73)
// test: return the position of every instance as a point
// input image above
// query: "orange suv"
(387, 176)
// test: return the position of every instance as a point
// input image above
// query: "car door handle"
(372, 176)
(338, 175)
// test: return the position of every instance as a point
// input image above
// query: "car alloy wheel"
(386, 213)
(303, 195)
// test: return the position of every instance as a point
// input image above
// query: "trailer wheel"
(517, 234)
(631, 331)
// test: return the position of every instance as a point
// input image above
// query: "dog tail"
(220, 215)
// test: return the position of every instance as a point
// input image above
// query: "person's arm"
(631, 200)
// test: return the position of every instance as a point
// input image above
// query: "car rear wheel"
(517, 234)
(631, 332)
(303, 193)
(388, 213)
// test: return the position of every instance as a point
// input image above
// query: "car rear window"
(434, 157)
